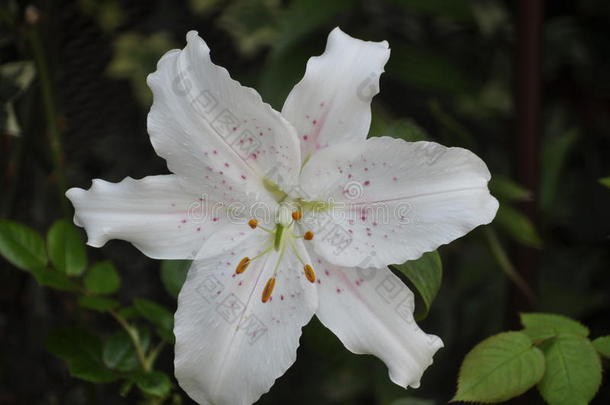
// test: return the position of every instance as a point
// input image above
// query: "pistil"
(287, 216)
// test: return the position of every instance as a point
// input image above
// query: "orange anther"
(309, 273)
(253, 223)
(268, 290)
(296, 215)
(243, 265)
(308, 235)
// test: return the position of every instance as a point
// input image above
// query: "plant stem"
(505, 264)
(50, 111)
(154, 353)
(133, 334)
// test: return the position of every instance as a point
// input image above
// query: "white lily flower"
(287, 215)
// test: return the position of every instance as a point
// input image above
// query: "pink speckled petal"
(230, 346)
(332, 103)
(394, 200)
(213, 132)
(371, 312)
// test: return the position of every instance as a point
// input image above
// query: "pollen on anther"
(309, 273)
(253, 223)
(296, 215)
(308, 235)
(268, 290)
(243, 265)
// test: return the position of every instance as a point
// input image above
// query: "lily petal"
(153, 213)
(371, 312)
(214, 132)
(230, 346)
(392, 200)
(331, 104)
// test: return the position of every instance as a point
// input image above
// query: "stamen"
(253, 223)
(309, 273)
(308, 235)
(243, 265)
(268, 290)
(293, 246)
(245, 262)
(296, 215)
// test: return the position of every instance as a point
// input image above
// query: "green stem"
(50, 111)
(154, 353)
(133, 334)
(506, 265)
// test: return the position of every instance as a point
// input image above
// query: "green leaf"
(574, 371)
(154, 383)
(22, 246)
(102, 278)
(54, 279)
(82, 350)
(538, 335)
(100, 304)
(119, 352)
(173, 274)
(92, 371)
(605, 181)
(518, 226)
(499, 368)
(538, 325)
(426, 274)
(158, 315)
(66, 248)
(508, 190)
(128, 312)
(602, 345)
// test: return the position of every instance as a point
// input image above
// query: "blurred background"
(524, 84)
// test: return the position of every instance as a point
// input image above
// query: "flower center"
(283, 238)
